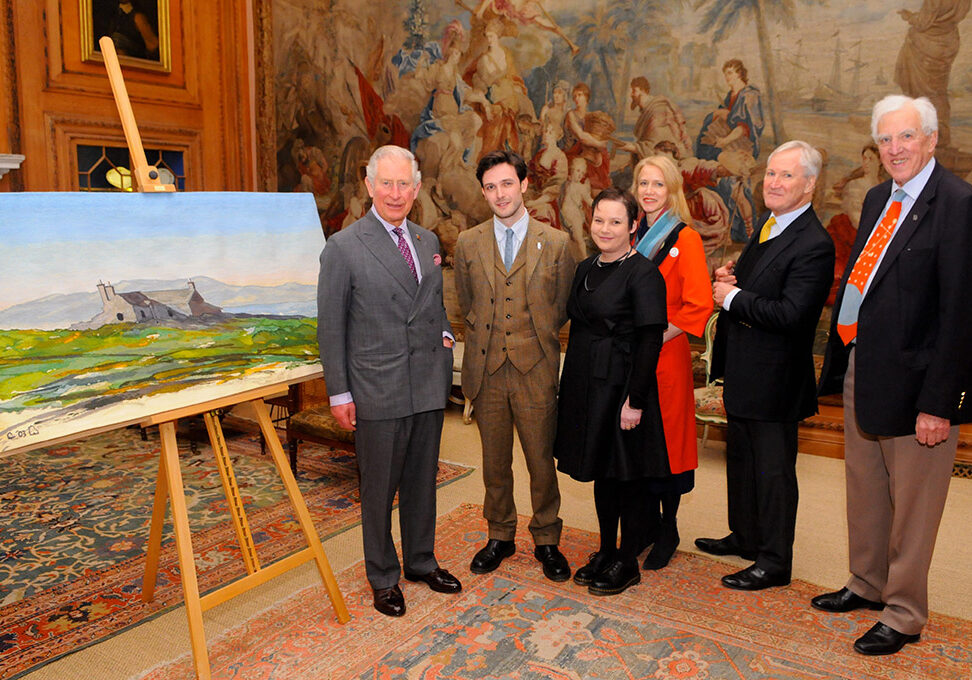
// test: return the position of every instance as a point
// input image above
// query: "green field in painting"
(51, 369)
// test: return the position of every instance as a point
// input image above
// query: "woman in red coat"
(665, 238)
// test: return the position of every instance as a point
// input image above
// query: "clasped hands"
(725, 282)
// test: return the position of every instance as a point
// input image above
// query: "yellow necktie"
(764, 233)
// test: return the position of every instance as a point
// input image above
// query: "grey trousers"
(398, 455)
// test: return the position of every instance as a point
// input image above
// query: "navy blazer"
(764, 343)
(913, 331)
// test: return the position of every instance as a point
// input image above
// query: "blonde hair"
(673, 181)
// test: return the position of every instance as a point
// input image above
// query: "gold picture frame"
(139, 28)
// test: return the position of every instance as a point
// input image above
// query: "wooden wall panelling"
(68, 131)
(264, 89)
(201, 106)
(9, 126)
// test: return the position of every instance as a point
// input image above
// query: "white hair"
(896, 102)
(392, 151)
(810, 158)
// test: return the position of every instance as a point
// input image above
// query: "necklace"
(617, 261)
(601, 265)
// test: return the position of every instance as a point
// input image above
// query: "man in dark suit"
(771, 302)
(513, 277)
(899, 351)
(385, 344)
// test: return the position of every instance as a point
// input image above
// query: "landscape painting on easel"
(117, 306)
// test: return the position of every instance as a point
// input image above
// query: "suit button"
(411, 352)
(509, 299)
(504, 349)
(509, 283)
(487, 326)
(491, 301)
(509, 332)
(508, 316)
(484, 351)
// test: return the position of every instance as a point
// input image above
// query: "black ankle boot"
(661, 552)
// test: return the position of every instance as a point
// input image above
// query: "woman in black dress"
(609, 427)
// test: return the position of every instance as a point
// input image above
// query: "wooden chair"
(709, 408)
(311, 418)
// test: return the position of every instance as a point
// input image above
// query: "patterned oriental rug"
(513, 624)
(75, 524)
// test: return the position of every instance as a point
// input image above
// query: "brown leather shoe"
(390, 601)
(438, 580)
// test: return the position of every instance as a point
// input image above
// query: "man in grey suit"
(385, 344)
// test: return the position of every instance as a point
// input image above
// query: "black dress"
(597, 375)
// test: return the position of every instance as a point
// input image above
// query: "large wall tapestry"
(583, 89)
(120, 306)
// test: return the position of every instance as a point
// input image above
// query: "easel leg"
(232, 492)
(300, 507)
(187, 566)
(155, 533)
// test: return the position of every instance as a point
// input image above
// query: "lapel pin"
(418, 237)
(436, 259)
(538, 245)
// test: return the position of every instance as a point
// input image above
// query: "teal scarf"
(657, 233)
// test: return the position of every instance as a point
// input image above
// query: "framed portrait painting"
(139, 29)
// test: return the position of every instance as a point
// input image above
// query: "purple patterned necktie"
(405, 250)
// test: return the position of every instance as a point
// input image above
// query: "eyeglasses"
(902, 138)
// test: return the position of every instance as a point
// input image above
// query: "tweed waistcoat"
(511, 334)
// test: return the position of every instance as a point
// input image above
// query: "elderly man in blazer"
(385, 344)
(899, 351)
(513, 276)
(771, 302)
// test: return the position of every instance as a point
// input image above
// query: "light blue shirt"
(782, 222)
(912, 188)
(519, 232)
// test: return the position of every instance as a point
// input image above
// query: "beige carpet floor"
(820, 552)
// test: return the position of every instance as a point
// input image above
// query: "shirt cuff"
(729, 296)
(340, 399)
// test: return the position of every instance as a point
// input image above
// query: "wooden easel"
(169, 483)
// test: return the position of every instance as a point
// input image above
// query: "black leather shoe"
(555, 565)
(724, 546)
(844, 600)
(490, 556)
(883, 639)
(390, 601)
(615, 578)
(596, 561)
(755, 578)
(438, 580)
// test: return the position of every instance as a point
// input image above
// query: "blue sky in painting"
(67, 242)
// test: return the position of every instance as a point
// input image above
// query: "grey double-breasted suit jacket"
(380, 332)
